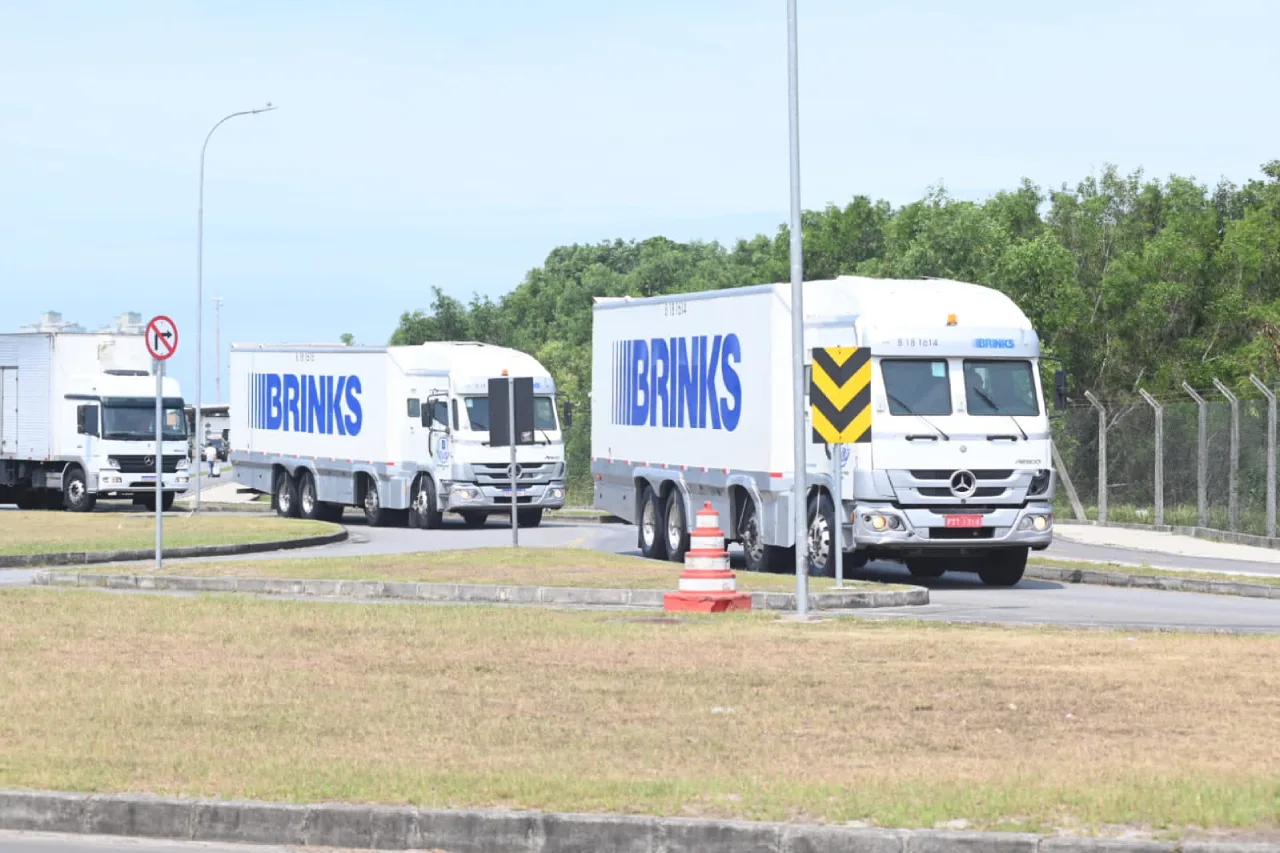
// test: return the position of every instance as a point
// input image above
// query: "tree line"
(1130, 281)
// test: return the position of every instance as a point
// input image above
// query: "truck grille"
(496, 473)
(980, 492)
(146, 464)
(940, 474)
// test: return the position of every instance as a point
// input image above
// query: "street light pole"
(800, 514)
(200, 289)
(217, 349)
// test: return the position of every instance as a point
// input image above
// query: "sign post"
(511, 422)
(161, 339)
(840, 402)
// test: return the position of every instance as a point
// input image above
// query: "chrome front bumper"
(471, 496)
(922, 529)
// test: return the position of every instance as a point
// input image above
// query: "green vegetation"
(60, 532)
(730, 716)
(1132, 282)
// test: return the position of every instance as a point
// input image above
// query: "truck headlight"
(555, 494)
(1038, 523)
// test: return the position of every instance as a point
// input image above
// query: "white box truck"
(401, 432)
(692, 402)
(77, 422)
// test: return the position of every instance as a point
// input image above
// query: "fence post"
(1233, 473)
(1159, 473)
(1271, 453)
(1102, 455)
(1202, 455)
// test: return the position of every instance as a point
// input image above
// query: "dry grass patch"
(54, 532)
(742, 716)
(580, 567)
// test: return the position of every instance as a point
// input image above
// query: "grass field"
(578, 567)
(741, 716)
(53, 532)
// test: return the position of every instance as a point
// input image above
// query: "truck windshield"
(138, 422)
(916, 386)
(544, 413)
(1000, 387)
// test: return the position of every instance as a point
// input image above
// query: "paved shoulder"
(1159, 550)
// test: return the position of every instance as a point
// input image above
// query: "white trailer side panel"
(26, 409)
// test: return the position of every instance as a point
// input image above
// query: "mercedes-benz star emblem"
(514, 472)
(148, 460)
(963, 484)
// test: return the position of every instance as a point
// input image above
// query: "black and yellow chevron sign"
(840, 395)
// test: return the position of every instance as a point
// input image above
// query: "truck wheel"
(75, 493)
(925, 567)
(422, 508)
(529, 517)
(375, 514)
(676, 529)
(475, 519)
(653, 545)
(1004, 567)
(761, 557)
(309, 504)
(821, 541)
(286, 495)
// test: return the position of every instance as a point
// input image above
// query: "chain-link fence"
(1214, 444)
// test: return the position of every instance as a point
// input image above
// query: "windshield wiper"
(909, 411)
(996, 408)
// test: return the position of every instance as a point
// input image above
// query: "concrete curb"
(1163, 582)
(392, 828)
(81, 558)
(464, 593)
(1209, 533)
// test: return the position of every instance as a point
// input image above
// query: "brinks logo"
(688, 382)
(292, 402)
(994, 343)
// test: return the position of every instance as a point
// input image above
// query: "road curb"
(1100, 577)
(465, 593)
(398, 828)
(83, 558)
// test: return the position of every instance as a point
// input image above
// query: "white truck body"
(47, 460)
(692, 402)
(398, 431)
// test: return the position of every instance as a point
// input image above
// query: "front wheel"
(148, 501)
(529, 517)
(423, 513)
(1004, 567)
(75, 493)
(474, 519)
(926, 567)
(761, 557)
(822, 552)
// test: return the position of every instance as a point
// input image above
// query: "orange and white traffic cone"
(707, 585)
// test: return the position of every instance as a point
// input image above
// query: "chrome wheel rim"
(675, 529)
(649, 523)
(819, 541)
(283, 498)
(308, 497)
(75, 491)
(371, 499)
(752, 542)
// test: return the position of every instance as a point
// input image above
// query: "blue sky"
(429, 143)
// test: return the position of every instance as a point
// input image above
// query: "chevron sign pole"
(840, 403)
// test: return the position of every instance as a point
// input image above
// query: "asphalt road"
(953, 598)
(38, 842)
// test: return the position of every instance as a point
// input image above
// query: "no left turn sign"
(162, 338)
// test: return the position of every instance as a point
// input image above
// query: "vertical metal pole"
(159, 464)
(1102, 455)
(511, 421)
(1159, 466)
(837, 535)
(799, 484)
(217, 349)
(1233, 472)
(1271, 454)
(1202, 455)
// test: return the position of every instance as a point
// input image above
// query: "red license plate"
(964, 521)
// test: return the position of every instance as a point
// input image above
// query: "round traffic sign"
(162, 338)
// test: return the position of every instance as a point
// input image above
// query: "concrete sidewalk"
(1159, 550)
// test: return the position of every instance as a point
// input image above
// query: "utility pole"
(217, 347)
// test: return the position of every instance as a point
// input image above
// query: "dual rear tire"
(663, 528)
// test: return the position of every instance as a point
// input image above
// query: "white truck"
(692, 402)
(401, 432)
(77, 422)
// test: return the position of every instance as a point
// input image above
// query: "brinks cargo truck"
(692, 402)
(77, 422)
(401, 432)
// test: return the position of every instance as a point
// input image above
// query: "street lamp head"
(268, 108)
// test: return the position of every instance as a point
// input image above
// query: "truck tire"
(653, 545)
(1004, 567)
(821, 537)
(75, 492)
(529, 517)
(423, 512)
(375, 514)
(474, 519)
(761, 557)
(926, 567)
(309, 504)
(166, 501)
(286, 495)
(676, 529)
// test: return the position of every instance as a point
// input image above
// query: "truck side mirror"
(1060, 389)
(567, 421)
(426, 417)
